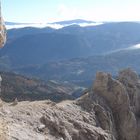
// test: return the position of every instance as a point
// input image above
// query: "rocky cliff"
(110, 110)
(2, 30)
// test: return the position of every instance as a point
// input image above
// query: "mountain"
(40, 48)
(64, 54)
(81, 71)
(72, 53)
(109, 36)
(70, 22)
(55, 25)
(30, 89)
(13, 34)
(29, 46)
(110, 110)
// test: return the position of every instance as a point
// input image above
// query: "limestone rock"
(2, 31)
(117, 96)
(131, 81)
(67, 121)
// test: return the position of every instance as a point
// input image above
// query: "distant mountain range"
(35, 46)
(56, 25)
(70, 22)
(72, 53)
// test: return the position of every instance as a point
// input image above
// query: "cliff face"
(121, 96)
(2, 31)
(109, 111)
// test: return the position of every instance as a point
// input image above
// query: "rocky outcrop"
(2, 31)
(108, 111)
(131, 81)
(112, 106)
(115, 94)
(67, 121)
(45, 120)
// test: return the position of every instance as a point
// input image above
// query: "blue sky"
(57, 10)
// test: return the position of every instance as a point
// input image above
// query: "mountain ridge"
(103, 47)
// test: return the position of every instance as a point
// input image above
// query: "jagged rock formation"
(2, 30)
(117, 97)
(2, 36)
(109, 111)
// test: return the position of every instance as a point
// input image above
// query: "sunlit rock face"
(2, 36)
(122, 96)
(2, 31)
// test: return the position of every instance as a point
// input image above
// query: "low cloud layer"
(55, 26)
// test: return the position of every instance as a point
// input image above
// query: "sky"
(42, 11)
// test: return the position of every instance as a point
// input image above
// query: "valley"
(72, 53)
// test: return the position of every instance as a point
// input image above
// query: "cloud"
(42, 25)
(38, 25)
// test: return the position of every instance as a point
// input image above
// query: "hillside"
(29, 46)
(81, 71)
(73, 53)
(75, 21)
(40, 48)
(17, 33)
(23, 88)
